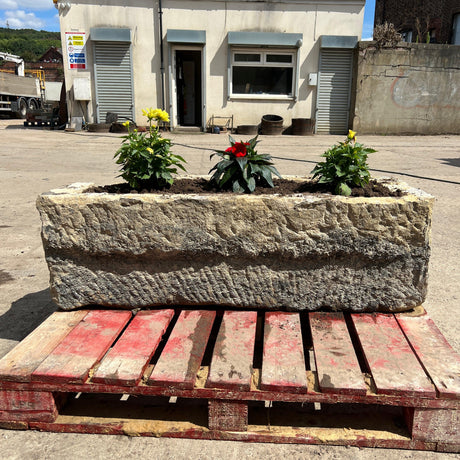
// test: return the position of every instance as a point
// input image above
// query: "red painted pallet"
(378, 380)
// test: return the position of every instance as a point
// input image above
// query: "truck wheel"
(32, 103)
(22, 112)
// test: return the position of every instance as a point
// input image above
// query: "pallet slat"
(283, 367)
(393, 365)
(181, 358)
(125, 363)
(436, 355)
(73, 358)
(231, 365)
(336, 362)
(23, 359)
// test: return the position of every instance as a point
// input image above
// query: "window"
(407, 36)
(456, 30)
(262, 74)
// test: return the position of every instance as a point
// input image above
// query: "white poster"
(76, 51)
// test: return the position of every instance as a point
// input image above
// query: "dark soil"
(282, 187)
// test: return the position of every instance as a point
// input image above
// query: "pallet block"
(375, 380)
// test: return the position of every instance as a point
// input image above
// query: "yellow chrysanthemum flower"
(126, 123)
(156, 114)
(351, 134)
(163, 116)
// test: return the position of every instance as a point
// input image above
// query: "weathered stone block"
(299, 252)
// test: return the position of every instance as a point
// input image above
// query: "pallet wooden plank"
(72, 360)
(434, 425)
(393, 365)
(336, 362)
(283, 367)
(181, 358)
(23, 359)
(26, 401)
(33, 416)
(125, 363)
(438, 358)
(231, 365)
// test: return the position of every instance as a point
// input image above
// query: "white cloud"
(35, 5)
(21, 20)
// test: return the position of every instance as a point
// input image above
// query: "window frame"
(263, 52)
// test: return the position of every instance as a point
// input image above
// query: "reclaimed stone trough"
(298, 252)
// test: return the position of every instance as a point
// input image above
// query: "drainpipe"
(162, 66)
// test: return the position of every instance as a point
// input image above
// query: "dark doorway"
(188, 81)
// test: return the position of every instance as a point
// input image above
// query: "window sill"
(260, 97)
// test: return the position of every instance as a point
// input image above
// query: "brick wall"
(434, 15)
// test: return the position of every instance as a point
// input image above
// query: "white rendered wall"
(217, 18)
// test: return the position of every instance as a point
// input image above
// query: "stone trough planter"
(299, 252)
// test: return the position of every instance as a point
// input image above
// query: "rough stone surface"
(302, 252)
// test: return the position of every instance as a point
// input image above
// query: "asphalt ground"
(35, 160)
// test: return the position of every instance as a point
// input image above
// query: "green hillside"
(30, 44)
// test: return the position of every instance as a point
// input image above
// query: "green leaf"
(253, 142)
(275, 171)
(228, 174)
(241, 161)
(251, 184)
(178, 157)
(267, 175)
(343, 189)
(237, 188)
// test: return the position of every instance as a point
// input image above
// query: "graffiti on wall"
(415, 89)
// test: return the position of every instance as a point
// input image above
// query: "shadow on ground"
(26, 314)
(451, 161)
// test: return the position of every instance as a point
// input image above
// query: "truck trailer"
(18, 93)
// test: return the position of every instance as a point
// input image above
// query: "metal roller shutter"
(114, 82)
(333, 101)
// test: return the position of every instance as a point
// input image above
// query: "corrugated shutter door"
(114, 85)
(333, 102)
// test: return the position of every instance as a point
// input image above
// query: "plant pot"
(299, 252)
(272, 125)
(302, 126)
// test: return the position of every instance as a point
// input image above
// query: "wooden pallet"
(378, 380)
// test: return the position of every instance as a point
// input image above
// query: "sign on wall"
(76, 51)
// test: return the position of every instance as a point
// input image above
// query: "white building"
(199, 58)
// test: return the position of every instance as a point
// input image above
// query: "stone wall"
(408, 89)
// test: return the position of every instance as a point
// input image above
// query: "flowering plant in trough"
(345, 166)
(242, 168)
(145, 158)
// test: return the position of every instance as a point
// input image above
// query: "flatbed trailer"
(18, 94)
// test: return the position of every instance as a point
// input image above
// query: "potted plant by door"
(303, 251)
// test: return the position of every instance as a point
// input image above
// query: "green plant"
(145, 158)
(345, 166)
(242, 168)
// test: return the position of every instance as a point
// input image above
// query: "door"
(114, 82)
(188, 87)
(334, 88)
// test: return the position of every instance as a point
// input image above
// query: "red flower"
(238, 149)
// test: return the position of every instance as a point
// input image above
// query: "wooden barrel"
(272, 124)
(302, 126)
(249, 130)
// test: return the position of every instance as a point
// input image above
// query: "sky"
(42, 15)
